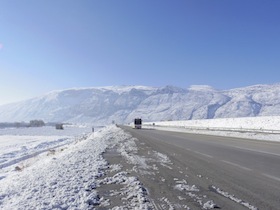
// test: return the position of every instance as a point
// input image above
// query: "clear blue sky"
(58, 44)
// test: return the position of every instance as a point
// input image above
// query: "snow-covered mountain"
(121, 104)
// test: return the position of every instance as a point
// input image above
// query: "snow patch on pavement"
(233, 198)
(193, 192)
(163, 159)
(185, 187)
(133, 193)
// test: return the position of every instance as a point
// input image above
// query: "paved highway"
(248, 170)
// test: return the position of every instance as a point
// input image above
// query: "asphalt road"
(248, 170)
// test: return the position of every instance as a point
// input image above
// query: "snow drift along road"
(67, 178)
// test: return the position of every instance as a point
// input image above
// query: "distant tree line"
(32, 123)
(36, 123)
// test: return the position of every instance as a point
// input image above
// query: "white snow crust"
(234, 198)
(19, 144)
(259, 128)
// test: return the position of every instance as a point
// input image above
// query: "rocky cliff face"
(121, 104)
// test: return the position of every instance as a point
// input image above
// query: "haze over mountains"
(102, 105)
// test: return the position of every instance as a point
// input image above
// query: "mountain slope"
(121, 104)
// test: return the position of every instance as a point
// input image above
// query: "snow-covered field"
(259, 128)
(19, 144)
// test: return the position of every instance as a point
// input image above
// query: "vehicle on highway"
(137, 123)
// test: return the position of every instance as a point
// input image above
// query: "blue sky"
(58, 44)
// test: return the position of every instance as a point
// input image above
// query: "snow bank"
(261, 128)
(56, 180)
(67, 177)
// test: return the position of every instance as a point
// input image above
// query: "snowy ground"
(19, 144)
(65, 177)
(73, 176)
(259, 128)
(44, 168)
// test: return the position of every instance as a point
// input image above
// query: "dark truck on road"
(138, 123)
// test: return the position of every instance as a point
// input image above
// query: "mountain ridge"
(121, 104)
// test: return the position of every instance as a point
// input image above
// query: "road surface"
(233, 173)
